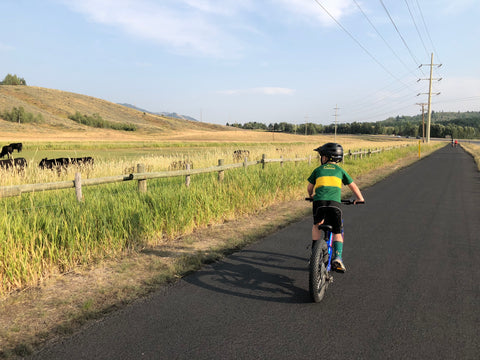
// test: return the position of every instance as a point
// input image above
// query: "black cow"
(16, 146)
(57, 163)
(19, 163)
(6, 150)
(88, 160)
(63, 163)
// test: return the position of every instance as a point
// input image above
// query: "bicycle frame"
(328, 238)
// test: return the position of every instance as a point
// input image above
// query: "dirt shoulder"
(65, 302)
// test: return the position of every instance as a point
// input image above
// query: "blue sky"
(250, 60)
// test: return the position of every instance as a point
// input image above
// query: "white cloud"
(222, 7)
(311, 9)
(458, 6)
(5, 47)
(175, 24)
(214, 28)
(261, 91)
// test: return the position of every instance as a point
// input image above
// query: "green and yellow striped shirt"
(327, 180)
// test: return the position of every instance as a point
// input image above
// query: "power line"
(399, 34)
(366, 99)
(381, 36)
(426, 30)
(358, 42)
(416, 27)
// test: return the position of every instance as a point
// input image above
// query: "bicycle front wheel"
(318, 272)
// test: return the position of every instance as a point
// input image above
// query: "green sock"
(338, 248)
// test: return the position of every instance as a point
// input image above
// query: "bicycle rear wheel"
(317, 281)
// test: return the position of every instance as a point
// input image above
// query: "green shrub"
(19, 115)
(96, 121)
(13, 80)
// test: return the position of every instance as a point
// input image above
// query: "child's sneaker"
(337, 265)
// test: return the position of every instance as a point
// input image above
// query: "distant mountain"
(172, 115)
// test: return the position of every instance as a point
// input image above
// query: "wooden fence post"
(281, 161)
(221, 173)
(263, 160)
(142, 184)
(187, 178)
(245, 162)
(78, 186)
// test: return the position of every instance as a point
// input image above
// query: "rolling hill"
(54, 107)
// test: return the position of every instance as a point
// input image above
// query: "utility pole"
(336, 108)
(306, 118)
(429, 119)
(423, 120)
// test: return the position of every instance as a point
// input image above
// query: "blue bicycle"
(321, 260)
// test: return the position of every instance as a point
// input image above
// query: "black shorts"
(330, 212)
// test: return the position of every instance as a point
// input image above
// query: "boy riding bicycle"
(325, 186)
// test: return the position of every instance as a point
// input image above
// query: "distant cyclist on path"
(325, 186)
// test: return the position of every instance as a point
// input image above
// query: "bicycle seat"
(325, 227)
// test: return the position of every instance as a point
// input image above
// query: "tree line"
(13, 80)
(455, 125)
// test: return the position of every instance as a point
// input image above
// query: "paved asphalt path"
(411, 290)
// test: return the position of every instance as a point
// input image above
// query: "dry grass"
(55, 106)
(474, 150)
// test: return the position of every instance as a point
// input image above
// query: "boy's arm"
(310, 189)
(356, 191)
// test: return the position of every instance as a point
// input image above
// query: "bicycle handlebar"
(346, 202)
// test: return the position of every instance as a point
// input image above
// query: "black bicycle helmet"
(333, 151)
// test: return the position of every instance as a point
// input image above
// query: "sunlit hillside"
(54, 107)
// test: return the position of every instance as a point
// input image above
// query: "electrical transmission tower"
(429, 118)
(336, 108)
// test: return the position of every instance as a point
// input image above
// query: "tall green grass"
(50, 232)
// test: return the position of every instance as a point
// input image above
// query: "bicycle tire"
(317, 280)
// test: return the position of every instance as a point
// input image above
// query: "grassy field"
(47, 233)
(474, 150)
(113, 232)
(119, 157)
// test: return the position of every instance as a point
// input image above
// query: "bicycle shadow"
(257, 275)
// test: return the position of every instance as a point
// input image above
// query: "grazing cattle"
(16, 146)
(57, 163)
(18, 163)
(6, 150)
(63, 163)
(239, 155)
(88, 160)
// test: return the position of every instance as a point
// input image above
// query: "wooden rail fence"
(141, 176)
